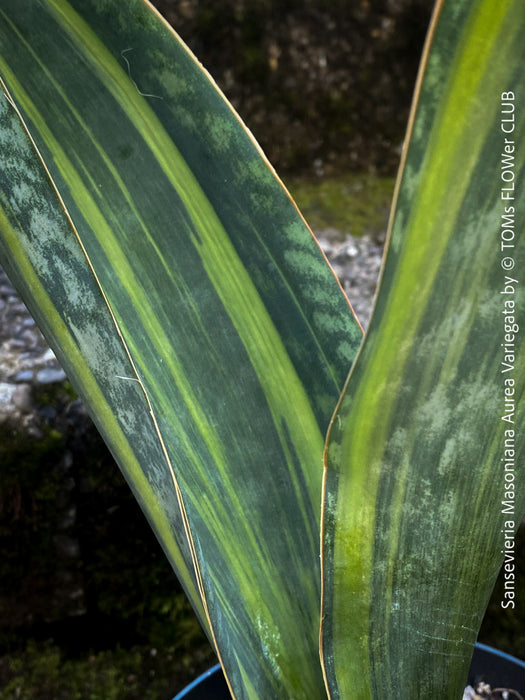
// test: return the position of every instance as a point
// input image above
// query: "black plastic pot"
(495, 667)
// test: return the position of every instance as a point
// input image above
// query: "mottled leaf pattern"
(191, 307)
(414, 532)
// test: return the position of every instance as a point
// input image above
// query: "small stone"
(50, 376)
(22, 398)
(25, 375)
(48, 356)
(28, 336)
(6, 397)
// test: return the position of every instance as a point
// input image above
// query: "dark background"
(320, 84)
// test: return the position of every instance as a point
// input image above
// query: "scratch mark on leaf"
(128, 66)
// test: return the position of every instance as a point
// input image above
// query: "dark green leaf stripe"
(69, 308)
(415, 478)
(236, 329)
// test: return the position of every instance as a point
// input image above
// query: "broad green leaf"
(232, 337)
(427, 443)
(39, 251)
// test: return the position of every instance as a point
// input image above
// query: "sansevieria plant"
(337, 508)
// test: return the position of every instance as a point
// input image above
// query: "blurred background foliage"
(89, 607)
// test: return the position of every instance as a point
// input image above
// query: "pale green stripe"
(113, 75)
(241, 300)
(250, 691)
(305, 437)
(456, 144)
(243, 307)
(89, 387)
(218, 513)
(114, 252)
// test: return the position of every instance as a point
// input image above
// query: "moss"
(41, 672)
(355, 204)
(56, 394)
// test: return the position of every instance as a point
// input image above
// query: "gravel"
(25, 358)
(356, 261)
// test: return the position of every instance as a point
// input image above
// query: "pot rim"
(482, 647)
